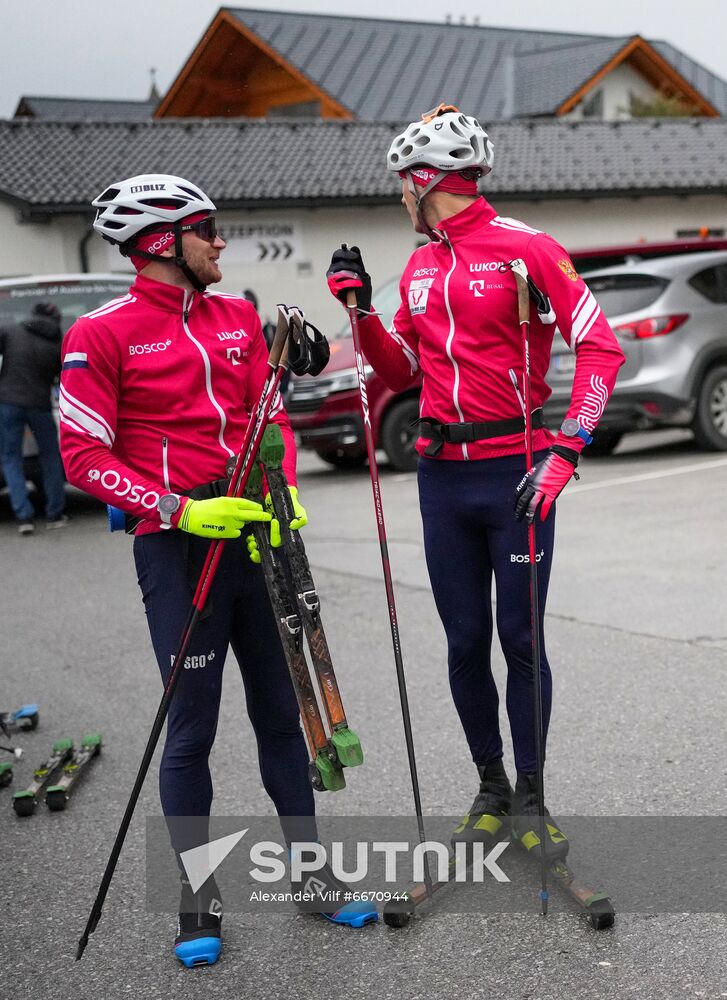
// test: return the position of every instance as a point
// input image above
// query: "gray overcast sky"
(104, 48)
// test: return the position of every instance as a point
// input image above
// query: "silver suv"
(670, 316)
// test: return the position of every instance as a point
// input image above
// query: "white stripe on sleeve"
(76, 412)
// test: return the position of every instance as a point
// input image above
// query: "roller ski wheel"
(398, 912)
(600, 914)
(353, 913)
(199, 925)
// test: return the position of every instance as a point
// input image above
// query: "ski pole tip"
(81, 947)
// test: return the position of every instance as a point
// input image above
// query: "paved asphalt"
(638, 641)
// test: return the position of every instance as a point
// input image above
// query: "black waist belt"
(217, 488)
(440, 433)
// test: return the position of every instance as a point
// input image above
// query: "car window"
(73, 298)
(711, 283)
(385, 300)
(625, 293)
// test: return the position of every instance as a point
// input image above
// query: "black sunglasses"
(206, 229)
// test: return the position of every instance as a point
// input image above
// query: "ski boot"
(326, 891)
(525, 822)
(199, 925)
(489, 815)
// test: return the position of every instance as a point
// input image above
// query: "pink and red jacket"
(156, 391)
(458, 325)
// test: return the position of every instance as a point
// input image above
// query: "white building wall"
(383, 233)
(617, 87)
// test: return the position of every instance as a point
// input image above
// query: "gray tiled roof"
(55, 166)
(544, 80)
(79, 109)
(387, 70)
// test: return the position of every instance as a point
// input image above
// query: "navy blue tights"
(240, 615)
(471, 535)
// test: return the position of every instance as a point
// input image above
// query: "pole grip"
(523, 298)
(351, 300)
(280, 340)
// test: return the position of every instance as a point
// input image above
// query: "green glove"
(299, 521)
(220, 517)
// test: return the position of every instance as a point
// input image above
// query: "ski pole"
(253, 435)
(523, 301)
(352, 306)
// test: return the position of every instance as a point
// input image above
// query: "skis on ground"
(58, 794)
(25, 801)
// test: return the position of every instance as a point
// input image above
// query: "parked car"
(657, 290)
(670, 315)
(74, 294)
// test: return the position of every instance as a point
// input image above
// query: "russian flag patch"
(76, 360)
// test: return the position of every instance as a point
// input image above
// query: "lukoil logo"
(231, 335)
(149, 348)
(485, 265)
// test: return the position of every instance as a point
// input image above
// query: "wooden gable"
(233, 73)
(660, 73)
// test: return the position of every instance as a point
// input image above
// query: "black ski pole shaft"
(523, 293)
(388, 582)
(251, 441)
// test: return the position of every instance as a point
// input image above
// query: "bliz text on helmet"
(138, 188)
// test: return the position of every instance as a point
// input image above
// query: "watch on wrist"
(168, 505)
(571, 428)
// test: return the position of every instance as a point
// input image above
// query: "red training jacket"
(458, 323)
(156, 392)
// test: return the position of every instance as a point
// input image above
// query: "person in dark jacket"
(30, 354)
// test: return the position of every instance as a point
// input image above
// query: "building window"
(593, 107)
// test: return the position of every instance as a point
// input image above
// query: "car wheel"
(710, 418)
(603, 443)
(399, 434)
(341, 460)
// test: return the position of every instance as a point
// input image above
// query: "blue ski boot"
(327, 895)
(199, 926)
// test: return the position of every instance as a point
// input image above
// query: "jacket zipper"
(207, 371)
(450, 338)
(165, 463)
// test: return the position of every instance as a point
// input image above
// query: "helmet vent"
(109, 194)
(194, 195)
(423, 140)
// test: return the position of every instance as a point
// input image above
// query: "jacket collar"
(161, 295)
(468, 222)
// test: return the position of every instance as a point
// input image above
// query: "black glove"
(347, 272)
(545, 482)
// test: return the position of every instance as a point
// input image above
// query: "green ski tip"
(92, 740)
(330, 772)
(23, 795)
(272, 447)
(62, 746)
(348, 747)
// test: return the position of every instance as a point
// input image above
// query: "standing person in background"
(458, 324)
(31, 364)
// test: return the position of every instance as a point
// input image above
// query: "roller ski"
(24, 802)
(24, 718)
(6, 768)
(199, 925)
(57, 795)
(322, 893)
(332, 744)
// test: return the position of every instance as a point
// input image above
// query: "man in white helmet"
(154, 402)
(458, 325)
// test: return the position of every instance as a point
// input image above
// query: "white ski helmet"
(444, 139)
(127, 208)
